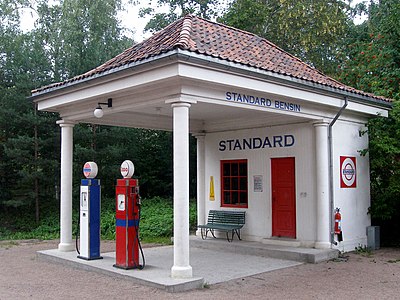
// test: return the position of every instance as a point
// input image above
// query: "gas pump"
(89, 214)
(127, 220)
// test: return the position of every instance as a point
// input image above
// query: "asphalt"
(213, 261)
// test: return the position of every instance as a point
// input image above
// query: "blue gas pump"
(90, 200)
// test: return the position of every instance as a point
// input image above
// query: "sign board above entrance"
(281, 141)
(262, 101)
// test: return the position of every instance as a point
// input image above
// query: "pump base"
(126, 268)
(91, 258)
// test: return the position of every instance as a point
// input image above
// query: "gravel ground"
(375, 276)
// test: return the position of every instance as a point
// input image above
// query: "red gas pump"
(127, 220)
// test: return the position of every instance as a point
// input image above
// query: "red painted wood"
(283, 197)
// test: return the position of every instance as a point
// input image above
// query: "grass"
(156, 223)
(363, 250)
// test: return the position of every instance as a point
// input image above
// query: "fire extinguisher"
(338, 224)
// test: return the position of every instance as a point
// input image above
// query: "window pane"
(227, 168)
(243, 197)
(235, 169)
(227, 198)
(235, 184)
(243, 169)
(227, 184)
(243, 183)
(235, 197)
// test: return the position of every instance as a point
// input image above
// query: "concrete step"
(300, 254)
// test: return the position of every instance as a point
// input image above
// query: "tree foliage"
(311, 30)
(372, 64)
(177, 8)
(73, 36)
(69, 38)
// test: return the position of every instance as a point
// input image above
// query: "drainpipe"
(330, 155)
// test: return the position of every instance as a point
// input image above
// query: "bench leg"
(237, 231)
(212, 232)
(227, 236)
(234, 231)
(203, 236)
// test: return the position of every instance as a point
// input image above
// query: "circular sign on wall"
(348, 172)
(90, 169)
(127, 169)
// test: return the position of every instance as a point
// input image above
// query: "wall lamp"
(98, 112)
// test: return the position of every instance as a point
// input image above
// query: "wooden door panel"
(283, 197)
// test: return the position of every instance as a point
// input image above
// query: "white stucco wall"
(258, 214)
(354, 202)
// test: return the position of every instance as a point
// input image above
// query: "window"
(234, 183)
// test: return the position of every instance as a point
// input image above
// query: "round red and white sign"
(90, 169)
(347, 171)
(127, 169)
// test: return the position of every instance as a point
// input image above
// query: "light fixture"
(98, 112)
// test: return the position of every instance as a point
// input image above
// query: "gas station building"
(276, 138)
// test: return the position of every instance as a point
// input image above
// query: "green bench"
(223, 220)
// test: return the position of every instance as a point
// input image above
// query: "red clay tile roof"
(201, 36)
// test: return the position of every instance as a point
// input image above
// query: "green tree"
(372, 64)
(24, 159)
(177, 8)
(311, 30)
(68, 39)
(79, 35)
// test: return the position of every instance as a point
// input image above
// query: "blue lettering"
(261, 101)
(289, 140)
(222, 146)
(277, 140)
(246, 143)
(267, 143)
(237, 145)
(258, 145)
(230, 144)
(234, 96)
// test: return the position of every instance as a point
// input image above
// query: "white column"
(181, 267)
(66, 242)
(201, 197)
(322, 182)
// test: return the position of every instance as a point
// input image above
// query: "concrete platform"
(265, 249)
(212, 260)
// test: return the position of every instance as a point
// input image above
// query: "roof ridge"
(184, 35)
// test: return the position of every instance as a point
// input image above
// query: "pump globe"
(98, 112)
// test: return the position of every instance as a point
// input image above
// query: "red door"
(283, 197)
